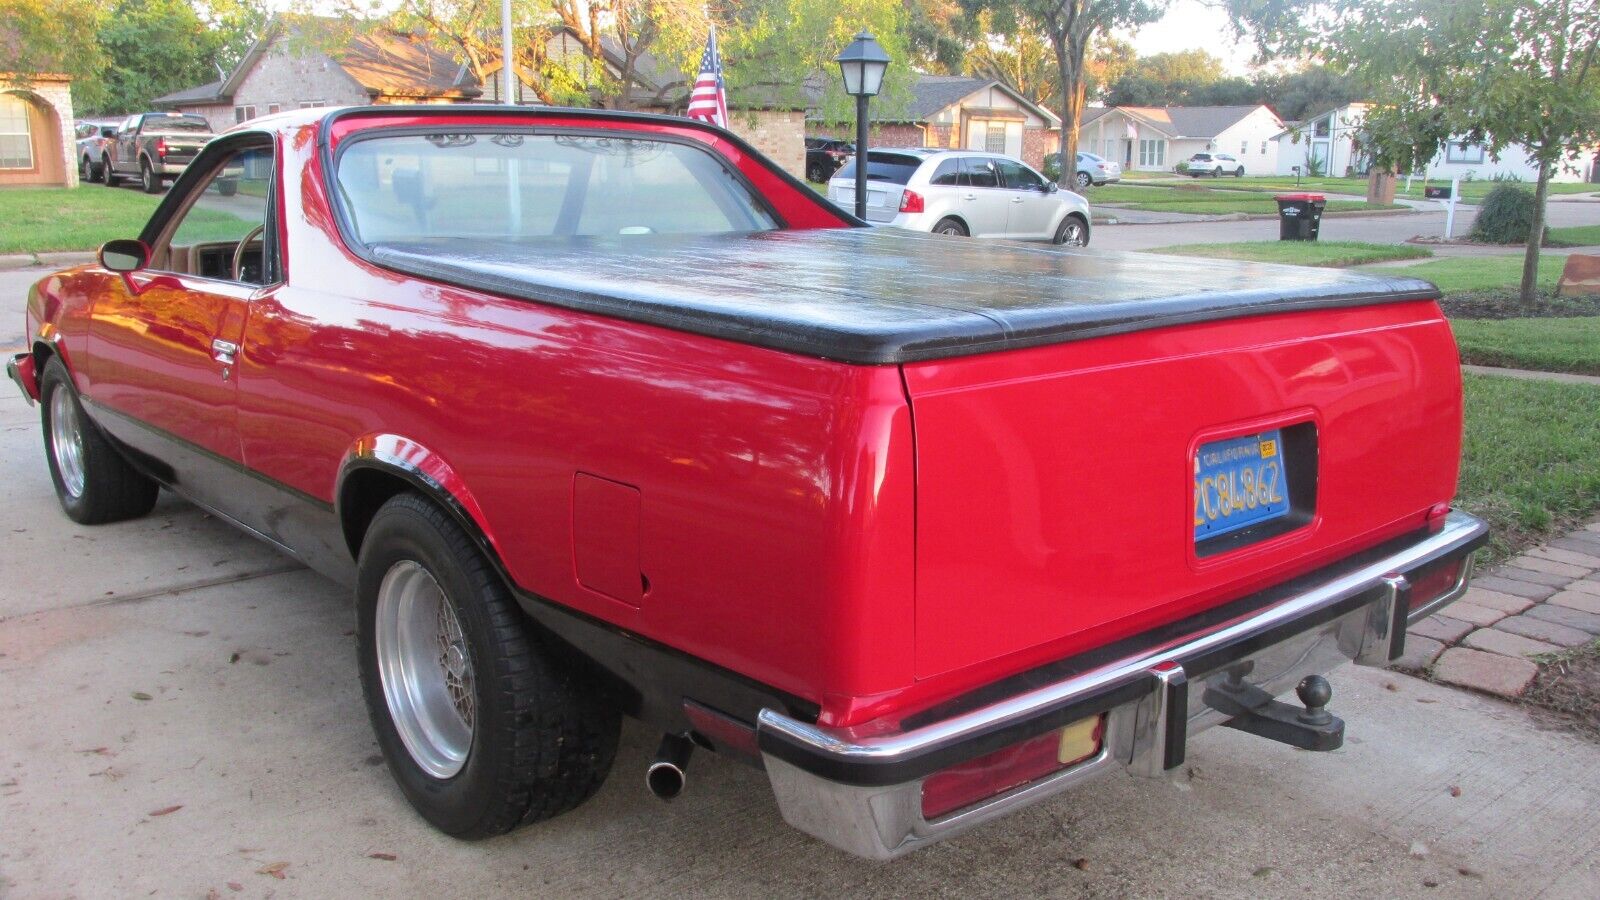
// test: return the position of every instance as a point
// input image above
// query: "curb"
(54, 259)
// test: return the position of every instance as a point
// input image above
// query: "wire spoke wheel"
(426, 669)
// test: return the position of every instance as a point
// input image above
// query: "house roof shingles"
(1189, 121)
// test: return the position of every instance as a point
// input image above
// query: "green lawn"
(1576, 236)
(1302, 253)
(1201, 199)
(40, 219)
(1462, 274)
(1471, 191)
(1548, 345)
(1531, 457)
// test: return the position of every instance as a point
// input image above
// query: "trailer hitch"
(1251, 709)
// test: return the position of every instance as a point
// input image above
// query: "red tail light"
(1009, 767)
(1434, 580)
(161, 146)
(910, 202)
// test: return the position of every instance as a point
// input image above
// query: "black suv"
(824, 156)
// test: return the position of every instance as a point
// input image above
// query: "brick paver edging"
(1544, 601)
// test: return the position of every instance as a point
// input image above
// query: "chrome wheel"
(66, 441)
(425, 669)
(1072, 234)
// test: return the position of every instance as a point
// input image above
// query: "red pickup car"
(605, 414)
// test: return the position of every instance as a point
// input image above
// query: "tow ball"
(1251, 709)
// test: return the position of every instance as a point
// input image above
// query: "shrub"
(1506, 216)
(1182, 168)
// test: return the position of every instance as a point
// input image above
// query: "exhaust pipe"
(665, 778)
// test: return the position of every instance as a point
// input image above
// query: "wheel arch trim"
(421, 468)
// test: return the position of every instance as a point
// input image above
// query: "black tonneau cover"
(874, 296)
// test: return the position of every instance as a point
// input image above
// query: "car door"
(984, 205)
(1029, 208)
(163, 342)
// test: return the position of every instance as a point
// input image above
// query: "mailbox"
(1441, 192)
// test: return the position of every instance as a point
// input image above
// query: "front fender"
(417, 465)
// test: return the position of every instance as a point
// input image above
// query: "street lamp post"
(862, 64)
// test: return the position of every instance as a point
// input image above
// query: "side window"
(980, 173)
(224, 222)
(1019, 177)
(948, 174)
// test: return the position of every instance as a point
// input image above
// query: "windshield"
(176, 125)
(892, 167)
(530, 187)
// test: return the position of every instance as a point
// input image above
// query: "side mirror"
(1050, 187)
(124, 256)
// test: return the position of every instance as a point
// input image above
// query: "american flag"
(709, 99)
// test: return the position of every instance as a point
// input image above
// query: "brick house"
(293, 67)
(958, 112)
(37, 143)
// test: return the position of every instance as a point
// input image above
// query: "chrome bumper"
(861, 789)
(19, 368)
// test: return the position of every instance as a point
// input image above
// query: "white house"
(1328, 142)
(1333, 139)
(1157, 138)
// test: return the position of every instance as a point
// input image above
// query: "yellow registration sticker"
(1269, 449)
(1079, 741)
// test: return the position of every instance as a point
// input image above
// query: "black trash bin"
(1300, 216)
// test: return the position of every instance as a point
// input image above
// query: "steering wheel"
(238, 252)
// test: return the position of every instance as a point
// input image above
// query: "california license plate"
(1239, 482)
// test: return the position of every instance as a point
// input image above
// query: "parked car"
(824, 156)
(1092, 170)
(154, 146)
(1214, 164)
(962, 193)
(92, 137)
(926, 530)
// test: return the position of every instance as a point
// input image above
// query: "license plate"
(1239, 482)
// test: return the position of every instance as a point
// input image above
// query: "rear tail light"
(1434, 580)
(910, 202)
(1010, 767)
(161, 147)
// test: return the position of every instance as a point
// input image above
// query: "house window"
(1244, 148)
(1263, 148)
(244, 113)
(1463, 153)
(273, 109)
(16, 140)
(313, 104)
(1152, 153)
(1323, 128)
(994, 140)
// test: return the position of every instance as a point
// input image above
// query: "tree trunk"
(1069, 111)
(1530, 259)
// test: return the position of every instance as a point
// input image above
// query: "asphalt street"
(179, 714)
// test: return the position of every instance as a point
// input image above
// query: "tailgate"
(1057, 503)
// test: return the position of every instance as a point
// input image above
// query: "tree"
(53, 37)
(1499, 72)
(155, 47)
(1071, 27)
(1110, 58)
(1021, 60)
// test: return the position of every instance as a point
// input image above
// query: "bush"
(1182, 168)
(1506, 216)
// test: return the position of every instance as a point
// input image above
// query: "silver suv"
(964, 193)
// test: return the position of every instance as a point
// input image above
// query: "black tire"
(1239, 172)
(108, 175)
(1082, 180)
(1217, 172)
(86, 170)
(148, 179)
(544, 737)
(112, 489)
(952, 227)
(1072, 231)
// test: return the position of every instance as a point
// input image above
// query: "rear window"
(1201, 156)
(892, 167)
(175, 125)
(532, 187)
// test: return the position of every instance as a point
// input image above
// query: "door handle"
(971, 197)
(1016, 199)
(223, 351)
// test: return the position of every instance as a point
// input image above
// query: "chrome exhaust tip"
(666, 777)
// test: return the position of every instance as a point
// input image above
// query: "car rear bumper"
(860, 789)
(19, 368)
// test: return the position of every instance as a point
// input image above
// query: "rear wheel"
(1082, 179)
(93, 482)
(108, 175)
(1072, 233)
(148, 179)
(950, 227)
(1239, 172)
(484, 726)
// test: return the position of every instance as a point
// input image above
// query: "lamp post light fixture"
(862, 65)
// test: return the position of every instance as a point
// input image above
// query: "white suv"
(964, 193)
(1216, 165)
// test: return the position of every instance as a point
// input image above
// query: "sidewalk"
(1545, 601)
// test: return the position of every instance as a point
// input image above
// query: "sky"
(1189, 25)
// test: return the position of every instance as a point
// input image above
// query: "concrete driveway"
(179, 715)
